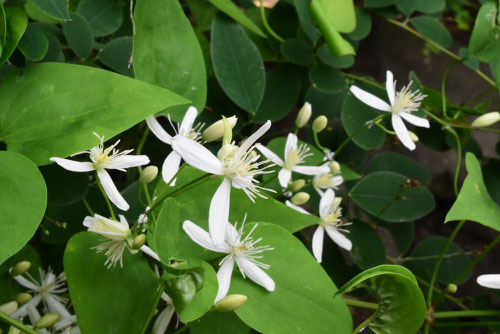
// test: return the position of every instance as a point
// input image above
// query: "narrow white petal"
(256, 274)
(24, 282)
(170, 167)
(251, 140)
(489, 281)
(110, 189)
(402, 133)
(188, 120)
(146, 250)
(23, 310)
(370, 99)
(296, 207)
(284, 177)
(33, 314)
(55, 306)
(317, 243)
(224, 278)
(389, 86)
(74, 166)
(128, 161)
(325, 204)
(338, 238)
(218, 214)
(415, 120)
(163, 319)
(158, 130)
(197, 155)
(199, 235)
(311, 170)
(65, 322)
(270, 154)
(291, 144)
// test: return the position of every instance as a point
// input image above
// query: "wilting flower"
(238, 165)
(489, 281)
(102, 159)
(161, 323)
(330, 213)
(402, 104)
(243, 251)
(294, 156)
(186, 129)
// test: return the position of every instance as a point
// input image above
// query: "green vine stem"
(360, 303)
(469, 313)
(467, 324)
(364, 323)
(14, 323)
(153, 309)
(459, 159)
(443, 86)
(266, 24)
(316, 141)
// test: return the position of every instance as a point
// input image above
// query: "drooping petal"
(65, 322)
(188, 120)
(218, 214)
(370, 99)
(296, 207)
(338, 238)
(128, 161)
(158, 130)
(163, 319)
(489, 281)
(197, 155)
(24, 282)
(23, 310)
(56, 306)
(402, 133)
(311, 170)
(110, 189)
(199, 235)
(284, 177)
(317, 243)
(146, 250)
(389, 86)
(224, 278)
(325, 204)
(291, 144)
(415, 120)
(74, 166)
(270, 154)
(170, 167)
(251, 140)
(256, 274)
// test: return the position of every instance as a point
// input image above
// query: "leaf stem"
(14, 323)
(459, 159)
(467, 324)
(361, 79)
(266, 25)
(152, 312)
(360, 303)
(364, 323)
(316, 141)
(89, 209)
(454, 125)
(443, 86)
(468, 313)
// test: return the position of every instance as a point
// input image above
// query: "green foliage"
(104, 17)
(432, 29)
(79, 35)
(394, 162)
(484, 43)
(57, 9)
(230, 9)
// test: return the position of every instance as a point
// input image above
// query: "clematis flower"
(238, 165)
(242, 251)
(330, 213)
(102, 159)
(163, 320)
(186, 129)
(326, 181)
(402, 104)
(294, 156)
(489, 281)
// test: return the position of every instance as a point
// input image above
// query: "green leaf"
(219, 322)
(367, 247)
(484, 43)
(237, 63)
(297, 51)
(363, 25)
(23, 197)
(228, 7)
(327, 79)
(17, 20)
(394, 162)
(54, 52)
(45, 109)
(432, 29)
(57, 9)
(389, 196)
(116, 55)
(302, 8)
(340, 13)
(329, 105)
(394, 287)
(431, 6)
(63, 186)
(348, 174)
(79, 35)
(3, 28)
(403, 235)
(340, 62)
(34, 44)
(379, 3)
(408, 6)
(473, 202)
(38, 15)
(302, 300)
(167, 53)
(103, 16)
(116, 300)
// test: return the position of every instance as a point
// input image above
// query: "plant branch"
(14, 323)
(468, 313)
(360, 303)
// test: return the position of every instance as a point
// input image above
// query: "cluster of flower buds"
(304, 115)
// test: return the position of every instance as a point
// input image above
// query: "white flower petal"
(163, 319)
(33, 314)
(415, 120)
(170, 167)
(110, 189)
(402, 133)
(146, 250)
(188, 120)
(256, 274)
(370, 99)
(74, 166)
(296, 207)
(56, 306)
(65, 322)
(128, 161)
(199, 235)
(224, 278)
(218, 214)
(270, 154)
(317, 243)
(23, 310)
(489, 281)
(251, 140)
(325, 204)
(158, 130)
(197, 155)
(284, 177)
(390, 87)
(338, 238)
(24, 282)
(311, 170)
(291, 144)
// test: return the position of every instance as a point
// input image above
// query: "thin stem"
(316, 140)
(360, 303)
(364, 323)
(361, 79)
(89, 209)
(110, 207)
(142, 141)
(266, 25)
(459, 159)
(467, 324)
(443, 86)
(452, 299)
(430, 257)
(468, 313)
(14, 323)
(454, 125)
(153, 309)
(478, 96)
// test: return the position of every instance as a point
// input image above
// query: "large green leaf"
(103, 16)
(17, 20)
(57, 9)
(23, 197)
(167, 53)
(341, 14)
(219, 322)
(228, 7)
(115, 300)
(45, 109)
(394, 162)
(473, 202)
(401, 305)
(390, 196)
(238, 65)
(302, 301)
(484, 43)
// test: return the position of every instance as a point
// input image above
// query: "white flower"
(294, 156)
(402, 104)
(330, 213)
(326, 181)
(244, 252)
(238, 165)
(161, 323)
(489, 281)
(102, 159)
(186, 129)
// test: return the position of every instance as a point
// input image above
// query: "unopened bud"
(8, 308)
(303, 115)
(451, 288)
(216, 130)
(413, 136)
(300, 198)
(20, 268)
(14, 330)
(230, 303)
(486, 120)
(148, 174)
(319, 124)
(337, 201)
(47, 320)
(297, 185)
(139, 241)
(22, 298)
(334, 167)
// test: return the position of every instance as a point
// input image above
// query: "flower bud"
(337, 201)
(486, 120)
(334, 167)
(139, 241)
(300, 198)
(8, 308)
(297, 185)
(303, 115)
(319, 124)
(14, 330)
(451, 288)
(216, 130)
(230, 303)
(47, 320)
(413, 136)
(22, 298)
(20, 268)
(148, 174)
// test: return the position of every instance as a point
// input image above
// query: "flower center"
(333, 218)
(407, 101)
(296, 157)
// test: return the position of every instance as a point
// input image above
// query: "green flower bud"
(451, 288)
(47, 320)
(20, 268)
(230, 303)
(303, 115)
(297, 185)
(300, 198)
(319, 124)
(14, 330)
(139, 241)
(413, 136)
(148, 174)
(486, 120)
(8, 308)
(334, 167)
(22, 298)
(216, 130)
